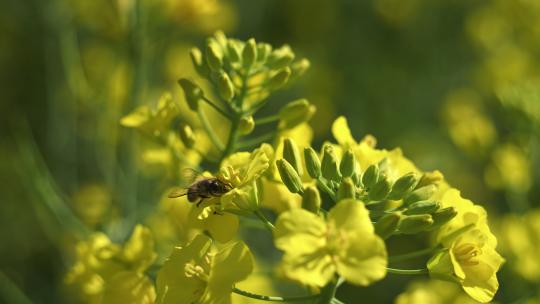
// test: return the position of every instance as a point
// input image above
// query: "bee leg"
(200, 202)
(202, 199)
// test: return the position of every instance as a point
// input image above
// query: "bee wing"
(189, 175)
(177, 192)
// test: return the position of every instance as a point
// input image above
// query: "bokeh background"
(455, 84)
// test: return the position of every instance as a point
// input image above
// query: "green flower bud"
(263, 50)
(311, 199)
(313, 164)
(281, 57)
(443, 216)
(289, 176)
(430, 178)
(348, 165)
(249, 54)
(387, 225)
(198, 62)
(422, 207)
(370, 176)
(192, 93)
(300, 67)
(246, 125)
(295, 113)
(187, 136)
(292, 155)
(225, 86)
(412, 224)
(279, 79)
(420, 194)
(232, 50)
(380, 190)
(346, 189)
(402, 186)
(329, 165)
(214, 57)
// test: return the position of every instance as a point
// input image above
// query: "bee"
(201, 187)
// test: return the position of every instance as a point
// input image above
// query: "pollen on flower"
(192, 270)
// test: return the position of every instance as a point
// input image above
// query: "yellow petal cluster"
(345, 243)
(196, 274)
(105, 272)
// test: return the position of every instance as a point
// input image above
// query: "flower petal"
(231, 265)
(342, 132)
(299, 231)
(129, 287)
(352, 216)
(173, 286)
(222, 227)
(365, 260)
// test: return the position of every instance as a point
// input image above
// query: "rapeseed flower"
(195, 274)
(345, 243)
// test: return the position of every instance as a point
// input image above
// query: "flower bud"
(387, 225)
(402, 186)
(249, 54)
(311, 199)
(292, 155)
(380, 190)
(300, 67)
(289, 176)
(225, 86)
(246, 125)
(329, 165)
(346, 189)
(187, 136)
(412, 224)
(295, 113)
(430, 178)
(192, 93)
(370, 176)
(420, 194)
(263, 50)
(214, 57)
(348, 165)
(279, 79)
(281, 57)
(313, 164)
(232, 50)
(443, 216)
(422, 207)
(198, 62)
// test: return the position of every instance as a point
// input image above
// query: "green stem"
(266, 120)
(328, 292)
(213, 105)
(407, 271)
(256, 140)
(263, 218)
(273, 299)
(209, 130)
(414, 254)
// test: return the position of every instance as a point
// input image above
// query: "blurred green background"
(453, 83)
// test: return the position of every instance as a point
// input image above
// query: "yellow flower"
(100, 262)
(367, 154)
(510, 168)
(154, 122)
(467, 213)
(241, 170)
(315, 249)
(520, 235)
(469, 259)
(433, 292)
(192, 274)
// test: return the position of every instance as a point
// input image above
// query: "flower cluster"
(334, 207)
